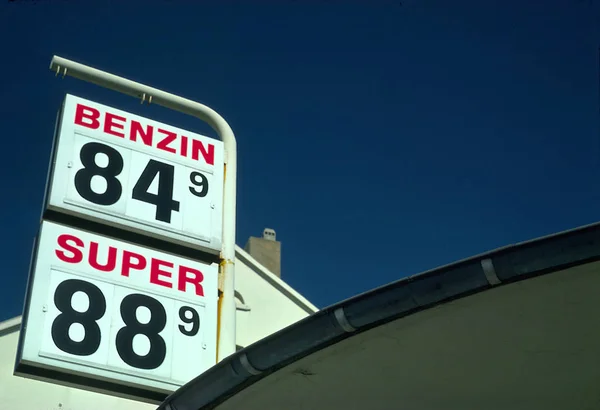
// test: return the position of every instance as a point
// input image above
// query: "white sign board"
(109, 315)
(140, 175)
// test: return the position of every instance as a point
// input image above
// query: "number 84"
(163, 199)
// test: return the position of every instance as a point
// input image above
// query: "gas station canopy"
(516, 328)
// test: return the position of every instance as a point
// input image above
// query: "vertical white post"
(227, 312)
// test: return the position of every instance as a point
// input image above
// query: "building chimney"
(266, 250)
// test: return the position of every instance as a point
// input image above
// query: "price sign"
(110, 311)
(127, 171)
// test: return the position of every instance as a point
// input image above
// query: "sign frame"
(225, 255)
(57, 203)
(31, 363)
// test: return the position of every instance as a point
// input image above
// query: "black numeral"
(194, 320)
(83, 177)
(165, 204)
(202, 184)
(90, 343)
(158, 320)
(163, 200)
(60, 328)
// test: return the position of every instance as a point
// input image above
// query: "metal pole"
(226, 340)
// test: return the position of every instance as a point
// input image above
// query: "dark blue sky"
(378, 140)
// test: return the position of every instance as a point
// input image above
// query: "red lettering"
(184, 146)
(111, 259)
(156, 271)
(109, 123)
(208, 155)
(119, 126)
(137, 129)
(71, 250)
(63, 241)
(164, 143)
(196, 279)
(89, 114)
(128, 264)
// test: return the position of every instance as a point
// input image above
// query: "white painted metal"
(197, 218)
(226, 342)
(166, 286)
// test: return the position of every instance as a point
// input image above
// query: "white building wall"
(273, 304)
(266, 305)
